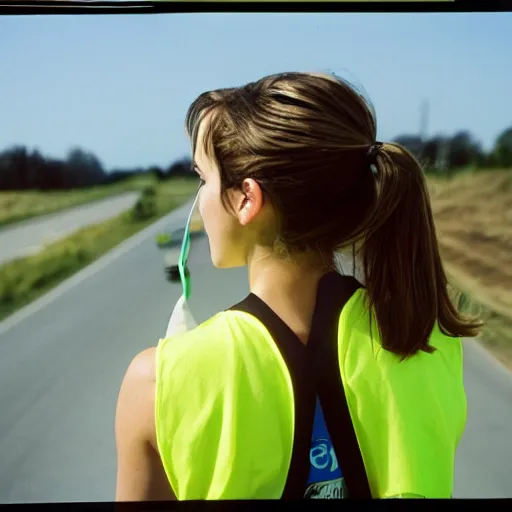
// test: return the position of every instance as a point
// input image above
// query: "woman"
(291, 174)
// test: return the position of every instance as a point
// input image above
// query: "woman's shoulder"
(220, 333)
(231, 350)
(142, 366)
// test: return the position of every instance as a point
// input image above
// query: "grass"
(17, 206)
(473, 214)
(25, 279)
(496, 335)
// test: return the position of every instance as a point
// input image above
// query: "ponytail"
(407, 288)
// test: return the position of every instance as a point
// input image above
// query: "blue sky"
(119, 85)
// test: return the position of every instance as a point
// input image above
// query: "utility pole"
(445, 148)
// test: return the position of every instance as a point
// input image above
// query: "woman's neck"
(288, 286)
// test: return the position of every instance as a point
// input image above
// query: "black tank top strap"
(314, 371)
(334, 291)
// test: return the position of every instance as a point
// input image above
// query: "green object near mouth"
(185, 249)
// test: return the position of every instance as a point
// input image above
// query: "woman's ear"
(249, 201)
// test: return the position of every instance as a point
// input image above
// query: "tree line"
(442, 154)
(21, 169)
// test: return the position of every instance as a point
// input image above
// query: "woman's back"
(291, 173)
(225, 407)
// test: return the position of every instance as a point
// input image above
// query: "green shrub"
(149, 191)
(144, 208)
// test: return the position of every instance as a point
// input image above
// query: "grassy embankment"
(25, 279)
(473, 212)
(18, 206)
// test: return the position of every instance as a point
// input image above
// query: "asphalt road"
(30, 236)
(62, 360)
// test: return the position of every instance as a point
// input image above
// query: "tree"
(37, 167)
(157, 173)
(413, 143)
(182, 168)
(464, 150)
(502, 151)
(435, 153)
(118, 175)
(55, 175)
(14, 168)
(84, 169)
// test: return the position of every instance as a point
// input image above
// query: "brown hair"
(305, 138)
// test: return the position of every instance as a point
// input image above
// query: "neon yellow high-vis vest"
(225, 409)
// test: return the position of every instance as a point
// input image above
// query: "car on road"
(174, 238)
(171, 258)
(172, 243)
